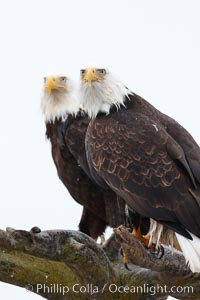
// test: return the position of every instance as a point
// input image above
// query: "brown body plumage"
(101, 205)
(149, 160)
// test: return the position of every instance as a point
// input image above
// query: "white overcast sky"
(153, 46)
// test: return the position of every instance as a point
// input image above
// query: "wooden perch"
(65, 265)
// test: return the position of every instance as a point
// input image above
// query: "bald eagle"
(66, 130)
(146, 158)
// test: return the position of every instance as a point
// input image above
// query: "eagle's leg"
(143, 239)
(158, 251)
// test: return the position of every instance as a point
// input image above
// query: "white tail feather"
(191, 251)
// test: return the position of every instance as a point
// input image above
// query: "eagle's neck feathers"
(100, 96)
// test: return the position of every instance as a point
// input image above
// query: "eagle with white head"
(146, 158)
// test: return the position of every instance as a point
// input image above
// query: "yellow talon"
(125, 259)
(144, 239)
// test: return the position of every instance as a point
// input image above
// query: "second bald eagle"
(146, 158)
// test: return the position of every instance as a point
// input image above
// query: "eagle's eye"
(45, 79)
(63, 78)
(101, 71)
(82, 71)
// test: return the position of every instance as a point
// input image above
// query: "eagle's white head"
(58, 98)
(99, 90)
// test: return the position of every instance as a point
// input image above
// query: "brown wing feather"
(68, 150)
(186, 141)
(114, 207)
(144, 165)
(73, 177)
(173, 128)
(75, 141)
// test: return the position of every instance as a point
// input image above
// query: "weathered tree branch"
(55, 264)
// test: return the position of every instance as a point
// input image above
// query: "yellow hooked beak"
(52, 84)
(91, 75)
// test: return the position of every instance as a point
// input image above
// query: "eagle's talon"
(127, 267)
(125, 260)
(161, 251)
(158, 252)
